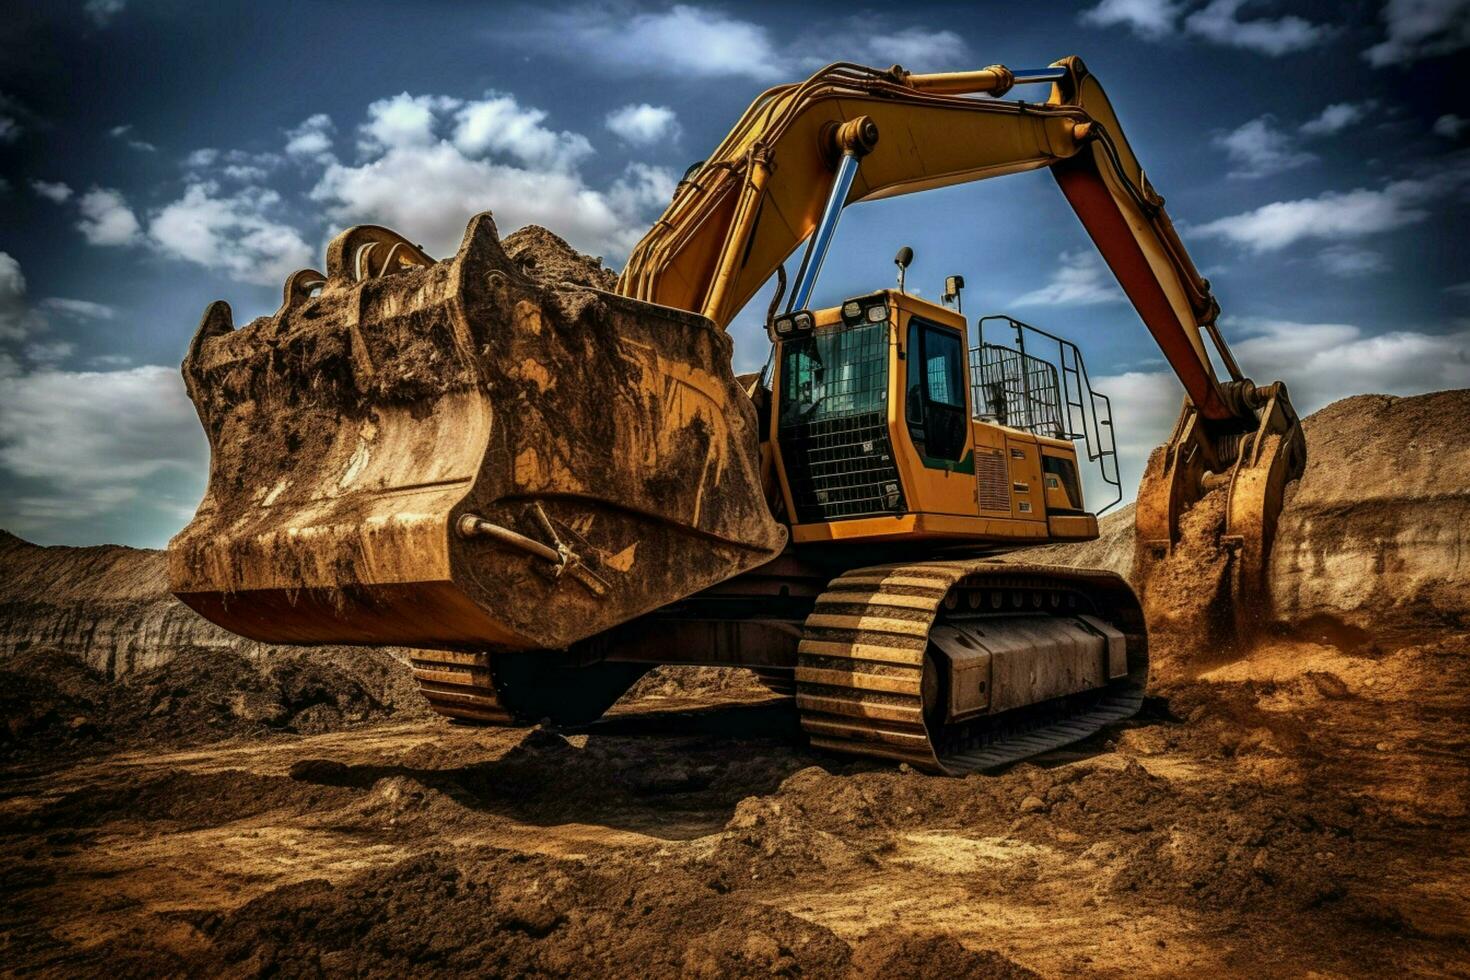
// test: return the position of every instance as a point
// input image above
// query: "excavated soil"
(1300, 807)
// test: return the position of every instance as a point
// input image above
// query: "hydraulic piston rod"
(854, 139)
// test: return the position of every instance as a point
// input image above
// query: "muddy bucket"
(454, 454)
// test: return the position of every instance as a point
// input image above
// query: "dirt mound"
(544, 255)
(882, 955)
(502, 913)
(679, 682)
(1375, 533)
(53, 702)
(1112, 550)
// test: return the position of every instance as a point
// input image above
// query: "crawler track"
(460, 686)
(860, 676)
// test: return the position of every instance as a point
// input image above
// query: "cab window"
(935, 407)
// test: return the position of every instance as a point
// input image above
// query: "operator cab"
(889, 424)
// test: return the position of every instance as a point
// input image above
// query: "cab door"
(936, 409)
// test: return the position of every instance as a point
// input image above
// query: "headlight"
(784, 326)
(852, 310)
(877, 314)
(803, 321)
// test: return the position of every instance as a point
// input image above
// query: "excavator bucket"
(1255, 467)
(462, 455)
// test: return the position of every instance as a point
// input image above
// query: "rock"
(1032, 804)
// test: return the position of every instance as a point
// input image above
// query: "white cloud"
(1217, 22)
(429, 193)
(102, 11)
(498, 125)
(1331, 215)
(106, 218)
(427, 186)
(404, 121)
(312, 140)
(642, 124)
(50, 353)
(123, 133)
(642, 188)
(1459, 289)
(244, 173)
(11, 114)
(17, 319)
(877, 41)
(92, 438)
(1258, 149)
(1146, 18)
(1451, 126)
(78, 309)
(241, 166)
(1079, 279)
(682, 41)
(58, 193)
(1348, 261)
(231, 233)
(689, 41)
(1145, 405)
(1336, 117)
(1418, 29)
(1322, 362)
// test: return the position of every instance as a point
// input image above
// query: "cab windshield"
(835, 372)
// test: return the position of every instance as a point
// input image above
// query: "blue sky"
(155, 156)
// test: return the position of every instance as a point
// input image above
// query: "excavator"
(544, 488)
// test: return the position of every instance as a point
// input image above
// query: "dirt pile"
(544, 255)
(1112, 550)
(53, 703)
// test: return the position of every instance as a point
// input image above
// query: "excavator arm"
(801, 152)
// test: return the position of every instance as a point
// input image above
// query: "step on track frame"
(860, 665)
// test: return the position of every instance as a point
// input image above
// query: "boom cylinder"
(855, 139)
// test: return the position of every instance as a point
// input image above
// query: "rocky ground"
(1299, 807)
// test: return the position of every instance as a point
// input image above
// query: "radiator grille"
(841, 467)
(834, 424)
(995, 484)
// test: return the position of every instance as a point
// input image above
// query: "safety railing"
(1038, 382)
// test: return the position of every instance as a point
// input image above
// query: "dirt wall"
(1376, 534)
(108, 606)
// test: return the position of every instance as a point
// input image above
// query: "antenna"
(902, 259)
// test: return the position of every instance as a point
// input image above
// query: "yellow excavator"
(546, 488)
